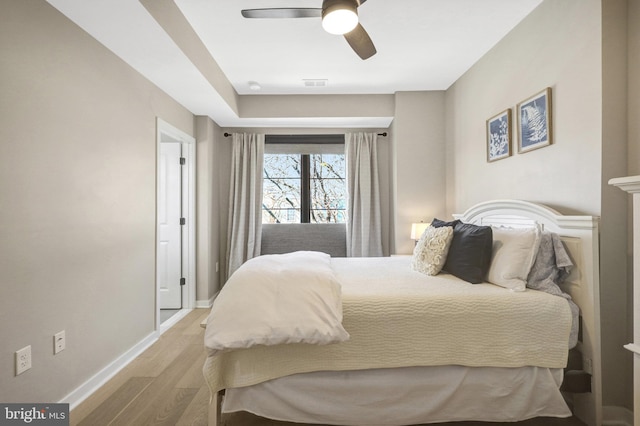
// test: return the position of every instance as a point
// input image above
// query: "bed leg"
(215, 409)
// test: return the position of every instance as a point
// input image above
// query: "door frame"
(165, 132)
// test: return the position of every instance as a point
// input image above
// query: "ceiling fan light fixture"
(339, 16)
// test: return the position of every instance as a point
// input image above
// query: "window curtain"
(364, 223)
(245, 199)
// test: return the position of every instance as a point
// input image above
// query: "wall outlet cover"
(59, 342)
(23, 360)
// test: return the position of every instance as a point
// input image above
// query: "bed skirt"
(405, 396)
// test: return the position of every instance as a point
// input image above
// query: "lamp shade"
(340, 16)
(417, 229)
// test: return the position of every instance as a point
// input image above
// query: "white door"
(169, 227)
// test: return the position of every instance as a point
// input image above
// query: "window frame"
(305, 166)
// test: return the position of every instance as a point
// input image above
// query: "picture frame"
(499, 131)
(534, 122)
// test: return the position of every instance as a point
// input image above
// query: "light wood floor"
(165, 386)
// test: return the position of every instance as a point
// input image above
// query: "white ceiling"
(421, 44)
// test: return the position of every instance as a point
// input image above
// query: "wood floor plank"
(194, 377)
(196, 413)
(185, 323)
(167, 353)
(194, 327)
(170, 412)
(86, 407)
(160, 392)
(117, 402)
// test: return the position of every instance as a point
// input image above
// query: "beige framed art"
(499, 136)
(534, 122)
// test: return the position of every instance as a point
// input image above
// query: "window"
(304, 179)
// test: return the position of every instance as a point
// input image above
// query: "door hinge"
(183, 221)
(183, 281)
(183, 161)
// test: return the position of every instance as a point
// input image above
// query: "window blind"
(304, 144)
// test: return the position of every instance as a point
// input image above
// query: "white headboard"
(580, 236)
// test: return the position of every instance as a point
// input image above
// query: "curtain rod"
(383, 134)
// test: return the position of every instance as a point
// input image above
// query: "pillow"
(551, 267)
(552, 264)
(437, 223)
(469, 255)
(514, 251)
(431, 251)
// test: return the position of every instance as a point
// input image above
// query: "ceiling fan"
(338, 17)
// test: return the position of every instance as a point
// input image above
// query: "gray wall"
(616, 283)
(213, 174)
(559, 46)
(418, 164)
(77, 201)
(633, 48)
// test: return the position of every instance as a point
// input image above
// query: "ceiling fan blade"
(280, 13)
(360, 42)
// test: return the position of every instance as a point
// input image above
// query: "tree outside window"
(304, 188)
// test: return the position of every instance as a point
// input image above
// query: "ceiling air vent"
(315, 82)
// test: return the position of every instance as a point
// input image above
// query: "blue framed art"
(534, 122)
(499, 136)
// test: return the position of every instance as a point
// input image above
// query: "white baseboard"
(206, 303)
(90, 386)
(616, 416)
(174, 319)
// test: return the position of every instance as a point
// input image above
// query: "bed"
(378, 351)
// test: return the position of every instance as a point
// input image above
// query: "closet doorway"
(175, 225)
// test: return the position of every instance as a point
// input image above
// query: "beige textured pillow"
(430, 254)
(514, 251)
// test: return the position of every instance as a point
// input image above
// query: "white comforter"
(278, 299)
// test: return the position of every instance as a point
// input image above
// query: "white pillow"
(430, 254)
(514, 252)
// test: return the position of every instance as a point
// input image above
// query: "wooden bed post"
(215, 409)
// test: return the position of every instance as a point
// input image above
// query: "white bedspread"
(397, 318)
(278, 299)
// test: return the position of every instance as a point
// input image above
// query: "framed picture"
(499, 136)
(534, 121)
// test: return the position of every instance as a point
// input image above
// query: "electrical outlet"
(59, 342)
(23, 360)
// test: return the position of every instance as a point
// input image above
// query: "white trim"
(85, 390)
(206, 303)
(633, 347)
(631, 184)
(174, 319)
(616, 416)
(189, 237)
